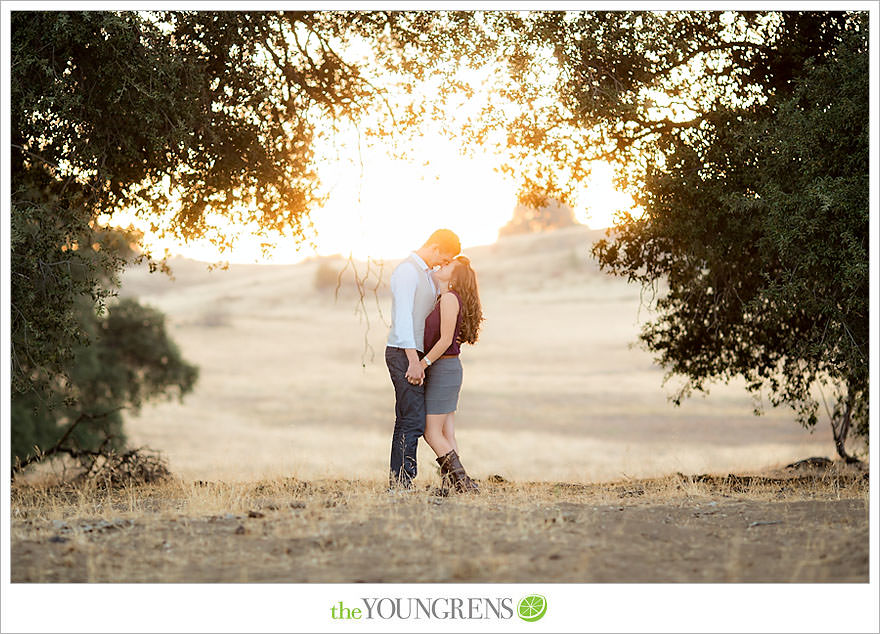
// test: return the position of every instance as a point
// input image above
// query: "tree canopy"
(130, 359)
(744, 137)
(174, 115)
(180, 116)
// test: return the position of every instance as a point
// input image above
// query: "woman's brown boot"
(452, 471)
(445, 479)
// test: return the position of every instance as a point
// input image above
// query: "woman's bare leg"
(459, 478)
(449, 430)
(434, 436)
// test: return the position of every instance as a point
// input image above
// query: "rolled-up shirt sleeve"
(403, 291)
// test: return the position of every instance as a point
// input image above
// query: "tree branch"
(58, 447)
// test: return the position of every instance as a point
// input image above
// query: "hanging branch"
(360, 281)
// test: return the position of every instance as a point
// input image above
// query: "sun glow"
(601, 199)
(396, 204)
(381, 206)
(387, 206)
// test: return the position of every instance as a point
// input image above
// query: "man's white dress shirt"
(413, 295)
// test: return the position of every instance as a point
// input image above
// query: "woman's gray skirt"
(442, 385)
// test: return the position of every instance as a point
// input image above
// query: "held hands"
(415, 373)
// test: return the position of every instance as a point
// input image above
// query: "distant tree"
(130, 359)
(550, 215)
(327, 273)
(127, 359)
(745, 137)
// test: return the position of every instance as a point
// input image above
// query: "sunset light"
(396, 204)
(391, 207)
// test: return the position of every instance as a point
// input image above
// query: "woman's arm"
(448, 315)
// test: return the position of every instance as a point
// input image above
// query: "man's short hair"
(446, 240)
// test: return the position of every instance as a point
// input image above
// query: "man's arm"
(403, 286)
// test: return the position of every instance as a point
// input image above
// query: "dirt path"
(669, 530)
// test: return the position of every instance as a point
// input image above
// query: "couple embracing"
(435, 307)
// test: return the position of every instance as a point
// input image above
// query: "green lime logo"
(532, 608)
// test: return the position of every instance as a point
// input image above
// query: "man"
(412, 298)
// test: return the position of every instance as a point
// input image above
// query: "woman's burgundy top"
(432, 329)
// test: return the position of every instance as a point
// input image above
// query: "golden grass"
(47, 498)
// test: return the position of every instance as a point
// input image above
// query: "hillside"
(293, 381)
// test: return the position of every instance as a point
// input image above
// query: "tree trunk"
(841, 430)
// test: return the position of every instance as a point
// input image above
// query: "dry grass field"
(280, 454)
(805, 526)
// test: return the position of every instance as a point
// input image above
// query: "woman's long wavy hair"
(464, 282)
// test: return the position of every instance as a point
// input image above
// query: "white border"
(305, 607)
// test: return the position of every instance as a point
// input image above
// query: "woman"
(455, 320)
